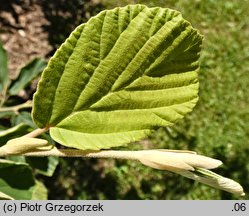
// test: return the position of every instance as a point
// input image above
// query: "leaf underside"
(118, 77)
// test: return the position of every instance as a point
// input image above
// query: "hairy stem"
(129, 155)
(27, 104)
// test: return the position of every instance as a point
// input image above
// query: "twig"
(36, 132)
(27, 104)
(129, 155)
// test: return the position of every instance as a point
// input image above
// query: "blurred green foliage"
(218, 127)
(17, 173)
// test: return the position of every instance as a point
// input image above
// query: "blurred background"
(218, 127)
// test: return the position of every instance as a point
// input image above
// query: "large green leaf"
(4, 80)
(27, 74)
(17, 181)
(124, 73)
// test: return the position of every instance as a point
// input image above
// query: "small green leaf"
(16, 131)
(118, 77)
(45, 165)
(5, 114)
(20, 159)
(27, 74)
(16, 180)
(4, 80)
(22, 117)
(42, 165)
(40, 192)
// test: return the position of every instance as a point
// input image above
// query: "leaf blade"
(127, 72)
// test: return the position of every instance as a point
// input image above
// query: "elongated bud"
(190, 165)
(177, 160)
(23, 145)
